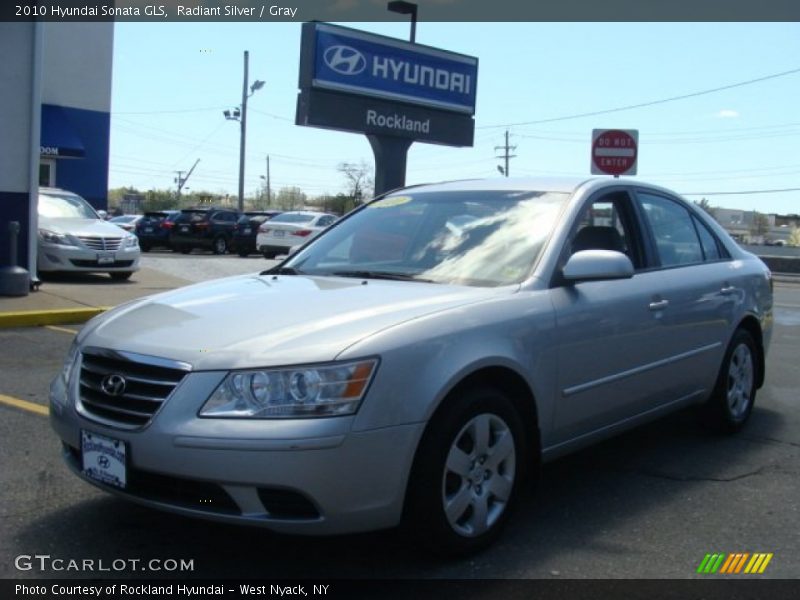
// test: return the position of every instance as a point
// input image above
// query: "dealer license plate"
(278, 233)
(148, 230)
(104, 459)
(184, 229)
(248, 231)
(105, 258)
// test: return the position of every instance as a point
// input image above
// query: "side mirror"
(102, 214)
(594, 265)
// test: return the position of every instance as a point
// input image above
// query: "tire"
(144, 247)
(184, 249)
(121, 275)
(467, 473)
(731, 401)
(243, 253)
(268, 255)
(220, 245)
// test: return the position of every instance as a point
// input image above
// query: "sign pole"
(391, 154)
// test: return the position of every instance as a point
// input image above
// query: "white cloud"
(727, 113)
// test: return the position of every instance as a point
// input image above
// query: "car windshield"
(293, 218)
(65, 206)
(479, 238)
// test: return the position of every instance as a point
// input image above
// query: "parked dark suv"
(154, 227)
(244, 236)
(205, 227)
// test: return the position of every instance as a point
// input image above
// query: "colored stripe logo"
(735, 563)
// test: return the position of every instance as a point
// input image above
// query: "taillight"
(302, 232)
(263, 229)
(167, 224)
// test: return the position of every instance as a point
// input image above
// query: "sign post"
(614, 151)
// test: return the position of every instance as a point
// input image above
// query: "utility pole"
(506, 155)
(181, 180)
(269, 192)
(240, 114)
(243, 123)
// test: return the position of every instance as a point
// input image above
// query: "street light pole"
(406, 8)
(243, 136)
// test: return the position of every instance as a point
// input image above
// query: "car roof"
(539, 184)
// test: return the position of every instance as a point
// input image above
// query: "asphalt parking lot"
(648, 504)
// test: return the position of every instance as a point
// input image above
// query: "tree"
(794, 237)
(359, 180)
(760, 224)
(706, 206)
(290, 198)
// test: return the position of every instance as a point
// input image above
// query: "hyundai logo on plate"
(345, 60)
(113, 385)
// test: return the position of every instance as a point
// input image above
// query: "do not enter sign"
(614, 151)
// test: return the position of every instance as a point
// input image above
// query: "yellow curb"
(33, 318)
(33, 407)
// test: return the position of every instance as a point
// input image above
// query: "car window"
(193, 216)
(673, 231)
(292, 218)
(325, 221)
(707, 241)
(605, 224)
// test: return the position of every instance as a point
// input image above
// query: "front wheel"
(731, 402)
(466, 473)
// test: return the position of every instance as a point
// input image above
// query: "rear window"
(193, 216)
(293, 218)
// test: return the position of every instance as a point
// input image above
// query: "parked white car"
(285, 231)
(73, 237)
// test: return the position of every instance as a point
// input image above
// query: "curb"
(34, 318)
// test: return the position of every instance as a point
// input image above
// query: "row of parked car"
(223, 230)
(74, 237)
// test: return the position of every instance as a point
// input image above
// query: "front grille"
(125, 390)
(96, 242)
(91, 264)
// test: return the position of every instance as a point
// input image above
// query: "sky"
(171, 82)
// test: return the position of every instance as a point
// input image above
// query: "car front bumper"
(53, 257)
(303, 476)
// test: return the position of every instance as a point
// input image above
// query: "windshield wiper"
(381, 275)
(282, 271)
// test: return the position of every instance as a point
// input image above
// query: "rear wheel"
(220, 245)
(731, 402)
(184, 249)
(243, 253)
(144, 247)
(466, 473)
(268, 255)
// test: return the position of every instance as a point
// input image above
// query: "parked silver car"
(73, 238)
(420, 358)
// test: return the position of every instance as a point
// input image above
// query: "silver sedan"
(417, 361)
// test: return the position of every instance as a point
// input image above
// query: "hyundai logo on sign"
(356, 62)
(345, 60)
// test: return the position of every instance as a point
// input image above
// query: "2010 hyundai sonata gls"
(415, 361)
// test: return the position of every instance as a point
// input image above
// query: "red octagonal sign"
(614, 151)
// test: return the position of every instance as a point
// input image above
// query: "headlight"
(131, 241)
(308, 391)
(51, 237)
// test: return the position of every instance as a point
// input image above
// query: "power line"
(741, 192)
(651, 103)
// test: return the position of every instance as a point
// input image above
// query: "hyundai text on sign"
(362, 63)
(614, 151)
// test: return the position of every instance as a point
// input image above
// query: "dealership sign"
(357, 62)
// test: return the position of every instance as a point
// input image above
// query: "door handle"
(660, 305)
(727, 290)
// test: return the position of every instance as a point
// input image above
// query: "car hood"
(257, 321)
(81, 227)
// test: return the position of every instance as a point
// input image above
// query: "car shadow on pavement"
(617, 499)
(82, 279)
